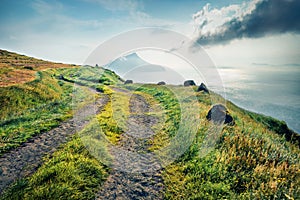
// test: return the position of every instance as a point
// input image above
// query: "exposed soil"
(135, 172)
(26, 159)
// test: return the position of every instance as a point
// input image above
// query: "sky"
(233, 32)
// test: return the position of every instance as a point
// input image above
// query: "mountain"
(127, 63)
(135, 68)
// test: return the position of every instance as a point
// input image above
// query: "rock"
(28, 67)
(229, 119)
(189, 83)
(203, 87)
(128, 82)
(98, 89)
(219, 114)
(61, 77)
(161, 83)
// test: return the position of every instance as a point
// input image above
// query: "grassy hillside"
(17, 69)
(39, 104)
(257, 158)
(251, 160)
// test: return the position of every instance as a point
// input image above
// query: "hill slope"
(257, 158)
(35, 104)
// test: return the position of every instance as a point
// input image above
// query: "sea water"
(269, 90)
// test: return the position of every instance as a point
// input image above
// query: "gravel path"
(135, 173)
(27, 158)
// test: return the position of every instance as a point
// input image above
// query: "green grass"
(279, 127)
(94, 77)
(251, 160)
(257, 158)
(71, 173)
(112, 120)
(32, 108)
(75, 171)
(171, 109)
(38, 106)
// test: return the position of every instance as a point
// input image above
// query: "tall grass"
(31, 108)
(38, 106)
(94, 77)
(249, 160)
(71, 173)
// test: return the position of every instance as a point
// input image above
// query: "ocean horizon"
(272, 91)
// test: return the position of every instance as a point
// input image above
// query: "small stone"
(161, 83)
(203, 88)
(219, 114)
(128, 82)
(189, 83)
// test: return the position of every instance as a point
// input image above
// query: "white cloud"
(252, 19)
(210, 21)
(275, 49)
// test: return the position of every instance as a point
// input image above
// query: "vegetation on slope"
(94, 77)
(71, 173)
(16, 69)
(30, 108)
(251, 160)
(41, 104)
(279, 127)
(239, 168)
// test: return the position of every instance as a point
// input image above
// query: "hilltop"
(257, 157)
(18, 69)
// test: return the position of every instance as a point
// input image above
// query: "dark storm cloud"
(267, 18)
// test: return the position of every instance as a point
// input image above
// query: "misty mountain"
(134, 67)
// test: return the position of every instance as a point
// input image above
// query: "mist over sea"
(270, 90)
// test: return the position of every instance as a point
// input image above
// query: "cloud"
(254, 19)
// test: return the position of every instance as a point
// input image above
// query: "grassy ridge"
(249, 160)
(72, 172)
(37, 106)
(32, 108)
(112, 119)
(171, 111)
(94, 77)
(17, 69)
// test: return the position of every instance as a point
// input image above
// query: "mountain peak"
(126, 63)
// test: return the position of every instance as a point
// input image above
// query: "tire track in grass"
(26, 159)
(134, 181)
